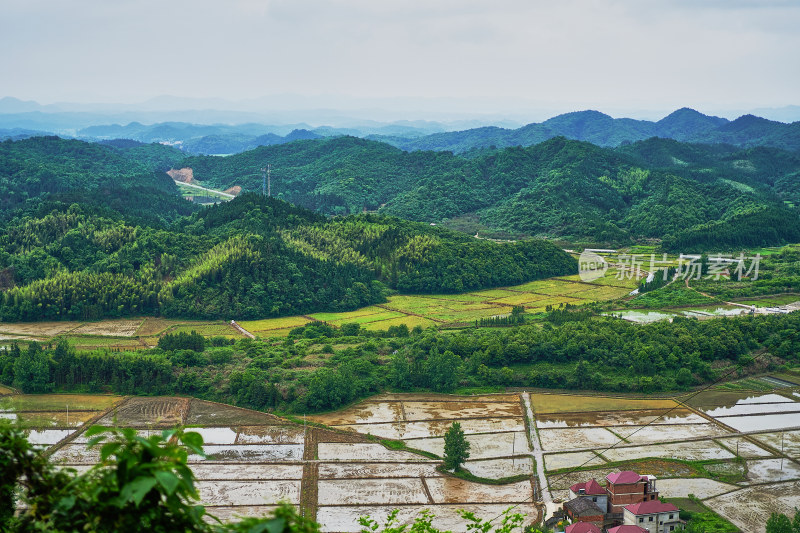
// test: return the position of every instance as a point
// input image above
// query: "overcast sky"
(485, 56)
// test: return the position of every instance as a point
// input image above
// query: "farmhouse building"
(627, 529)
(591, 490)
(627, 500)
(628, 487)
(583, 527)
(653, 516)
(584, 510)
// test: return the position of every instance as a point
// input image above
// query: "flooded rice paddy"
(253, 460)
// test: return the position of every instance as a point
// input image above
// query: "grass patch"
(673, 295)
(701, 517)
(400, 446)
(273, 323)
(466, 475)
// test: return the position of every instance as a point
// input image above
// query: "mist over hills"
(205, 130)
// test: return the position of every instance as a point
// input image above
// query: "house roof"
(583, 527)
(591, 487)
(650, 507)
(583, 507)
(626, 477)
(627, 529)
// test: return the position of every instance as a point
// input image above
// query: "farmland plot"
(567, 403)
(57, 402)
(143, 412)
(700, 487)
(788, 441)
(459, 410)
(371, 491)
(376, 470)
(750, 508)
(413, 430)
(686, 451)
(482, 446)
(666, 433)
(500, 468)
(249, 492)
(251, 453)
(366, 412)
(772, 470)
(447, 517)
(619, 418)
(240, 472)
(109, 328)
(338, 451)
(454, 490)
(557, 461)
(744, 448)
(576, 439)
(766, 422)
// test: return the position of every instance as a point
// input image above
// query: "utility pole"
(266, 175)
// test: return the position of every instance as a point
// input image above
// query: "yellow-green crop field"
(569, 403)
(58, 402)
(412, 310)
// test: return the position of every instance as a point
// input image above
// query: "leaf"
(168, 480)
(95, 430)
(108, 449)
(192, 439)
(137, 489)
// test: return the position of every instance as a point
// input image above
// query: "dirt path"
(538, 456)
(192, 185)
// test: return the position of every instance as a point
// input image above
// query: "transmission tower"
(266, 175)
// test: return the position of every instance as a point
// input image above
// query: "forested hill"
(657, 188)
(87, 238)
(124, 177)
(683, 125)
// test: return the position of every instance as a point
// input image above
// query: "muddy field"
(109, 328)
(557, 461)
(249, 492)
(788, 441)
(345, 519)
(569, 439)
(415, 430)
(667, 433)
(342, 451)
(700, 487)
(686, 451)
(772, 470)
(499, 468)
(148, 412)
(482, 446)
(744, 448)
(750, 508)
(619, 418)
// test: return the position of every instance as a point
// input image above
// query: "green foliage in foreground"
(146, 484)
(139, 484)
(780, 523)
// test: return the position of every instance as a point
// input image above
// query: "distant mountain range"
(210, 131)
(685, 125)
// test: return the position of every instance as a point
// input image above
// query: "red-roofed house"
(590, 490)
(652, 515)
(628, 487)
(627, 529)
(583, 527)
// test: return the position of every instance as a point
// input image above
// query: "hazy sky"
(487, 56)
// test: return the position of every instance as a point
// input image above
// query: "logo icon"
(591, 266)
